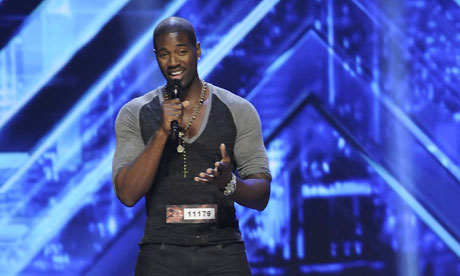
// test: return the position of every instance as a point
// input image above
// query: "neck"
(192, 92)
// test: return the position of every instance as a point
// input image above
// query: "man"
(189, 183)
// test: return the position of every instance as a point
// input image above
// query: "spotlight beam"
(35, 65)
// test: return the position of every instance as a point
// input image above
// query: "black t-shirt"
(229, 119)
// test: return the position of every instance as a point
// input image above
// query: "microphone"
(175, 89)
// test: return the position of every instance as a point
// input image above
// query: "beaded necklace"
(183, 131)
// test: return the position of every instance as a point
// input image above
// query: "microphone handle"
(174, 130)
(175, 124)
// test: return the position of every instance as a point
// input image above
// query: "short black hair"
(175, 24)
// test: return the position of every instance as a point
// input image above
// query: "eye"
(162, 55)
(182, 52)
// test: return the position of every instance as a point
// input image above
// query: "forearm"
(134, 180)
(252, 192)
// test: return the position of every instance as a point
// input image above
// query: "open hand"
(220, 175)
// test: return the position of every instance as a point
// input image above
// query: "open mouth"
(176, 74)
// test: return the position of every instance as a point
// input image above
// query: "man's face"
(177, 57)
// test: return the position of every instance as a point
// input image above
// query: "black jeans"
(174, 260)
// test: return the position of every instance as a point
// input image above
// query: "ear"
(198, 50)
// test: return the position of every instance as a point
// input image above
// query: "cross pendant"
(185, 172)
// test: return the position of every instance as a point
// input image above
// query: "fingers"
(176, 109)
(208, 176)
(224, 154)
(173, 107)
(219, 166)
(173, 110)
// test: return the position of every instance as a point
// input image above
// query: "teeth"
(176, 73)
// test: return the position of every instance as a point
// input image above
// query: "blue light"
(337, 189)
(333, 251)
(300, 244)
(421, 136)
(89, 97)
(341, 143)
(58, 216)
(318, 25)
(331, 54)
(53, 33)
(338, 267)
(358, 246)
(235, 35)
(276, 65)
(273, 271)
(13, 159)
(13, 231)
(448, 239)
(112, 225)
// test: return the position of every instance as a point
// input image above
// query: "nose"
(173, 61)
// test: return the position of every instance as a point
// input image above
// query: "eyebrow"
(177, 45)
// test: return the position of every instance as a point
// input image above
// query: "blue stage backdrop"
(360, 108)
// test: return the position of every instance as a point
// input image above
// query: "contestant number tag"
(191, 213)
(199, 213)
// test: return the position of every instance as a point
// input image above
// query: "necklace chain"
(182, 132)
(197, 107)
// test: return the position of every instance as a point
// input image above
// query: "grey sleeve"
(129, 143)
(250, 154)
